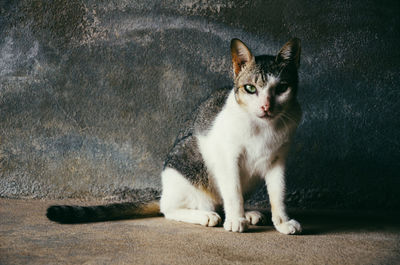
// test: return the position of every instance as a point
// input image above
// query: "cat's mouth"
(267, 116)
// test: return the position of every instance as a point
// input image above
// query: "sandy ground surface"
(27, 237)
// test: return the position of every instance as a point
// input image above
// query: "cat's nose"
(265, 107)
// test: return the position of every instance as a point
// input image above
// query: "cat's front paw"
(236, 224)
(290, 227)
(254, 217)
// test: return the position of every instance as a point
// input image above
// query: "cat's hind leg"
(205, 218)
(181, 201)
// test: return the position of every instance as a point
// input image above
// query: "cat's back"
(185, 155)
(204, 115)
(209, 109)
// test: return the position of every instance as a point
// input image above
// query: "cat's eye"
(281, 88)
(250, 89)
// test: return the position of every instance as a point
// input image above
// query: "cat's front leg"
(275, 181)
(231, 191)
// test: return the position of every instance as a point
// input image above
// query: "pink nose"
(265, 108)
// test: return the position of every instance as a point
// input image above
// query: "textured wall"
(93, 93)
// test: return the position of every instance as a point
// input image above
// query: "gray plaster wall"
(93, 93)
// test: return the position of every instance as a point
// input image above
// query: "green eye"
(250, 89)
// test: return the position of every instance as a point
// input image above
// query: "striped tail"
(70, 214)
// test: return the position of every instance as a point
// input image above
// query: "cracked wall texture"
(93, 93)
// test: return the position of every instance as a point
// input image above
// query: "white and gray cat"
(236, 140)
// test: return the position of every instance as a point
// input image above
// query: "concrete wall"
(93, 93)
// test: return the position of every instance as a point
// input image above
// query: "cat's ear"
(241, 56)
(290, 53)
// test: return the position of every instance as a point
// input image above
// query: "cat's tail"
(69, 214)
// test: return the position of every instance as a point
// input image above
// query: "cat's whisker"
(289, 117)
(284, 123)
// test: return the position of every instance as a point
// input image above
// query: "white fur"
(254, 217)
(240, 151)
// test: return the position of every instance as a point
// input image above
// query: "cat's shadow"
(335, 222)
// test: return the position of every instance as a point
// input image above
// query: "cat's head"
(266, 86)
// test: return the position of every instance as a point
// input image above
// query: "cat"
(237, 140)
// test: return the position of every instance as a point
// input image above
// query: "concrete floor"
(27, 237)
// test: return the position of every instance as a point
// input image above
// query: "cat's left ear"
(241, 56)
(290, 53)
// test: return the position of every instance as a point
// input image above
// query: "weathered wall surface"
(93, 93)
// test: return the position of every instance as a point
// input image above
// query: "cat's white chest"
(256, 154)
(260, 149)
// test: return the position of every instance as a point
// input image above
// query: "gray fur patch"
(185, 155)
(209, 109)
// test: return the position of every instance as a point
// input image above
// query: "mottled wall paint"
(93, 93)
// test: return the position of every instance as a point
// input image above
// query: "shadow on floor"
(336, 222)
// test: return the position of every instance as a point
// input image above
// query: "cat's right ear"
(241, 56)
(290, 53)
